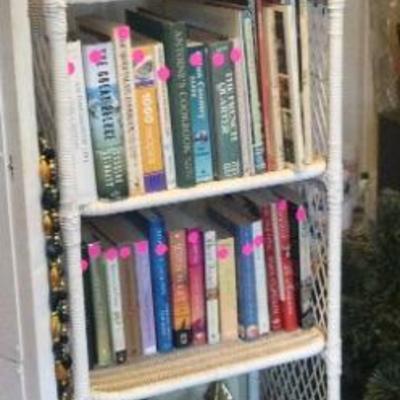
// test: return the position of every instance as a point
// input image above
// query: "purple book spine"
(146, 306)
(155, 182)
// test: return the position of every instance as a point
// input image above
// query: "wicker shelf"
(204, 190)
(159, 374)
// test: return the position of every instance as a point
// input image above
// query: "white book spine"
(292, 57)
(243, 105)
(211, 272)
(261, 278)
(306, 81)
(80, 128)
(115, 303)
(165, 122)
(276, 118)
(123, 60)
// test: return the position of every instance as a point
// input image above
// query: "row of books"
(189, 93)
(235, 267)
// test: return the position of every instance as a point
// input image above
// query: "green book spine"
(228, 162)
(100, 307)
(105, 120)
(173, 35)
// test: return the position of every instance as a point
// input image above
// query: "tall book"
(105, 122)
(85, 173)
(119, 232)
(165, 120)
(152, 226)
(240, 227)
(144, 72)
(100, 307)
(201, 122)
(89, 309)
(230, 21)
(227, 146)
(120, 36)
(173, 36)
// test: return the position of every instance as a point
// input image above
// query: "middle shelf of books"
(192, 137)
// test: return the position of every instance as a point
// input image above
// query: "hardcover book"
(120, 36)
(144, 56)
(173, 36)
(105, 120)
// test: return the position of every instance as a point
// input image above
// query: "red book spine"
(263, 67)
(289, 306)
(194, 240)
(272, 276)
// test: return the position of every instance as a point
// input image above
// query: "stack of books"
(179, 96)
(236, 267)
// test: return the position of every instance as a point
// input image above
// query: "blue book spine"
(248, 313)
(200, 115)
(160, 283)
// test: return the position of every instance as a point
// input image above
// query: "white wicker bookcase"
(305, 365)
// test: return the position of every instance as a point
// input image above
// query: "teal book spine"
(173, 35)
(228, 163)
(200, 115)
(105, 120)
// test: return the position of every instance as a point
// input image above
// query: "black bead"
(53, 248)
(49, 153)
(50, 198)
(63, 310)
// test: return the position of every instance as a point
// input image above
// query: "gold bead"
(55, 327)
(45, 170)
(47, 222)
(55, 276)
(62, 373)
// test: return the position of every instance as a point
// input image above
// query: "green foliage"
(371, 305)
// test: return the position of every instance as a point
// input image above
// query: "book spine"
(211, 274)
(273, 287)
(130, 305)
(85, 174)
(199, 107)
(115, 305)
(180, 291)
(194, 243)
(261, 278)
(227, 289)
(165, 121)
(123, 60)
(148, 118)
(263, 67)
(100, 307)
(289, 307)
(275, 99)
(160, 285)
(248, 310)
(89, 309)
(145, 297)
(227, 141)
(105, 121)
(243, 108)
(258, 145)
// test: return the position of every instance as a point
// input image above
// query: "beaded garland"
(59, 323)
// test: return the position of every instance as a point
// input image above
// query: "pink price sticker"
(258, 241)
(247, 249)
(196, 59)
(142, 247)
(301, 214)
(95, 56)
(94, 251)
(161, 249)
(123, 32)
(222, 253)
(164, 73)
(84, 265)
(138, 56)
(236, 55)
(70, 68)
(125, 252)
(282, 205)
(193, 237)
(218, 59)
(111, 254)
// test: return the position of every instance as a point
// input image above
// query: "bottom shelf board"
(159, 374)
